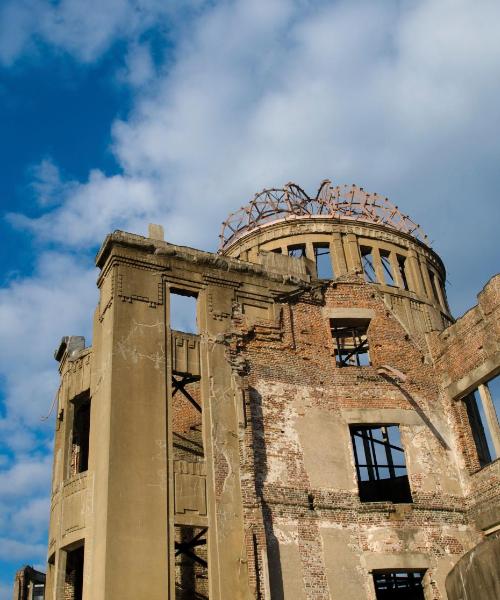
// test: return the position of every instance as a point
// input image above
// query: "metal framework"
(340, 202)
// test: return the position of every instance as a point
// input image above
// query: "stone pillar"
(352, 252)
(491, 417)
(377, 264)
(414, 274)
(337, 255)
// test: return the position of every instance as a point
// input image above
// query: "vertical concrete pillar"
(310, 252)
(414, 275)
(129, 557)
(491, 417)
(352, 252)
(395, 270)
(337, 255)
(227, 561)
(377, 264)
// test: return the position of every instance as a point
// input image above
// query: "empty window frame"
(297, 251)
(323, 259)
(73, 578)
(367, 264)
(385, 259)
(380, 463)
(350, 339)
(401, 260)
(80, 434)
(432, 278)
(183, 310)
(191, 563)
(483, 406)
(393, 585)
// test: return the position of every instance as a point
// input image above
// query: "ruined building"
(327, 431)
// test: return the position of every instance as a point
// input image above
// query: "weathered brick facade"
(225, 464)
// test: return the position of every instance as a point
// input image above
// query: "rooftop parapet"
(340, 203)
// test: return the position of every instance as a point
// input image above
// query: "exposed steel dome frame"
(340, 202)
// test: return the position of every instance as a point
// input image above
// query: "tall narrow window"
(350, 342)
(482, 406)
(385, 258)
(432, 277)
(395, 585)
(380, 463)
(367, 263)
(73, 580)
(80, 434)
(323, 260)
(402, 271)
(297, 251)
(183, 309)
(191, 563)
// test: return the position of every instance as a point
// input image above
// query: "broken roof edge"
(166, 249)
(340, 203)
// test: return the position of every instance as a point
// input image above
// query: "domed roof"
(339, 202)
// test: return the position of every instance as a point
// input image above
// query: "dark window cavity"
(80, 434)
(323, 260)
(73, 580)
(367, 263)
(297, 251)
(432, 278)
(183, 311)
(395, 585)
(385, 258)
(350, 341)
(380, 463)
(402, 271)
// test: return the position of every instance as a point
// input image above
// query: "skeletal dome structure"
(342, 229)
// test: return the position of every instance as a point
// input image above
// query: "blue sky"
(116, 113)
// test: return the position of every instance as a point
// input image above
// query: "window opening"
(380, 463)
(183, 311)
(297, 251)
(191, 563)
(367, 263)
(385, 258)
(73, 580)
(432, 277)
(80, 435)
(323, 260)
(402, 270)
(351, 342)
(277, 250)
(482, 405)
(394, 585)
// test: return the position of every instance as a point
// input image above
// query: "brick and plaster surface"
(267, 466)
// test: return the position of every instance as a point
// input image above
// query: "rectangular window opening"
(183, 310)
(191, 563)
(73, 579)
(385, 258)
(483, 406)
(324, 268)
(395, 585)
(277, 251)
(432, 277)
(380, 464)
(297, 251)
(402, 271)
(80, 434)
(350, 339)
(367, 264)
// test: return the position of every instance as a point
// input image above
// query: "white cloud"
(85, 30)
